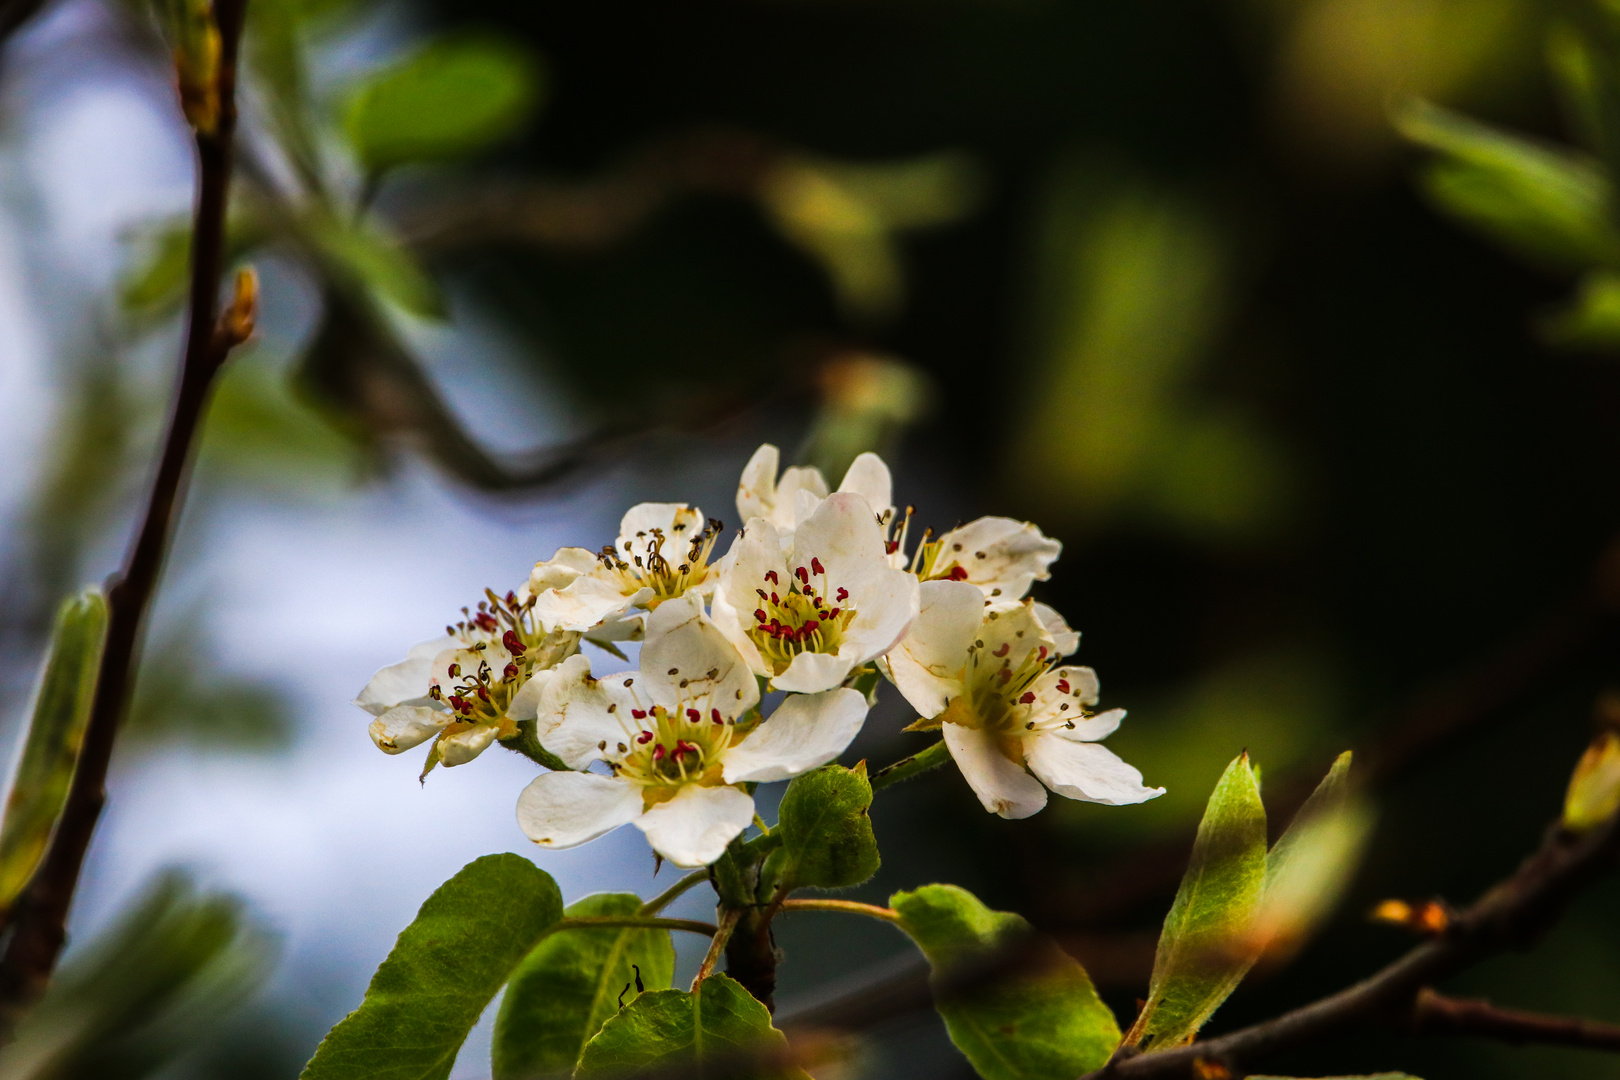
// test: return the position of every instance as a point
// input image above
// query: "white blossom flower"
(807, 613)
(986, 674)
(788, 502)
(1002, 556)
(460, 689)
(677, 737)
(662, 552)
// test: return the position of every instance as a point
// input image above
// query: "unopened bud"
(236, 323)
(1594, 787)
(196, 62)
(1205, 1069)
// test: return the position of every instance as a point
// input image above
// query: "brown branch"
(1436, 1014)
(40, 916)
(1511, 915)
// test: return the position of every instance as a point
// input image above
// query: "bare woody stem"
(717, 948)
(1437, 1014)
(1511, 915)
(40, 916)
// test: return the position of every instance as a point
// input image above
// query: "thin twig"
(39, 927)
(1436, 1014)
(1513, 914)
(667, 897)
(717, 948)
(631, 922)
(848, 907)
(907, 767)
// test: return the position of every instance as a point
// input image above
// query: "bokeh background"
(1159, 276)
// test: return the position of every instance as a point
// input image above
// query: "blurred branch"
(1511, 915)
(39, 927)
(13, 13)
(1436, 1014)
(1411, 735)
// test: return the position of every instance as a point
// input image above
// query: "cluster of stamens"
(643, 563)
(670, 747)
(800, 616)
(1001, 694)
(481, 694)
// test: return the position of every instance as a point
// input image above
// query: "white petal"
(1086, 771)
(1066, 640)
(590, 599)
(886, 604)
(694, 827)
(1002, 787)
(805, 731)
(756, 553)
(625, 626)
(581, 719)
(756, 491)
(562, 809)
(526, 702)
(1094, 728)
(844, 534)
(688, 663)
(463, 746)
(927, 666)
(1000, 555)
(869, 478)
(405, 726)
(492, 653)
(677, 521)
(561, 570)
(801, 491)
(405, 682)
(1076, 688)
(811, 673)
(1011, 632)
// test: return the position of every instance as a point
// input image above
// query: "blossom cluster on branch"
(760, 663)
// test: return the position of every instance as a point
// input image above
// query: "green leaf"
(1204, 948)
(667, 1029)
(1544, 202)
(565, 989)
(55, 736)
(444, 969)
(376, 262)
(827, 839)
(456, 96)
(1592, 319)
(1048, 1025)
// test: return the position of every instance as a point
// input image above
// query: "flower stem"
(904, 769)
(728, 923)
(849, 907)
(525, 743)
(665, 898)
(600, 922)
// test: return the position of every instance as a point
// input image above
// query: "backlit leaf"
(668, 1029)
(446, 966)
(571, 983)
(1045, 1023)
(827, 839)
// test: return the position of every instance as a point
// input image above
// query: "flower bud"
(1594, 788)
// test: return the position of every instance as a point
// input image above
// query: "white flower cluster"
(817, 591)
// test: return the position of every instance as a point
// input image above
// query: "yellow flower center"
(806, 614)
(673, 748)
(643, 563)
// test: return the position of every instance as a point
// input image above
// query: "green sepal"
(571, 984)
(441, 974)
(1048, 1024)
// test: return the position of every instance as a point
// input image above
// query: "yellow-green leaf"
(1204, 948)
(55, 736)
(672, 1030)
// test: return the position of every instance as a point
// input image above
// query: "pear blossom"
(1002, 556)
(807, 612)
(459, 689)
(789, 501)
(677, 738)
(987, 674)
(662, 552)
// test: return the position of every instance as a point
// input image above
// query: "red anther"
(775, 599)
(809, 591)
(511, 598)
(513, 643)
(434, 692)
(816, 567)
(485, 621)
(803, 575)
(809, 627)
(658, 752)
(958, 573)
(639, 714)
(644, 738)
(770, 576)
(1043, 652)
(693, 715)
(483, 692)
(510, 672)
(457, 702)
(684, 747)
(714, 714)
(1005, 673)
(833, 614)
(843, 594)
(1006, 646)
(1063, 686)
(1028, 698)
(455, 671)
(891, 547)
(763, 595)
(759, 613)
